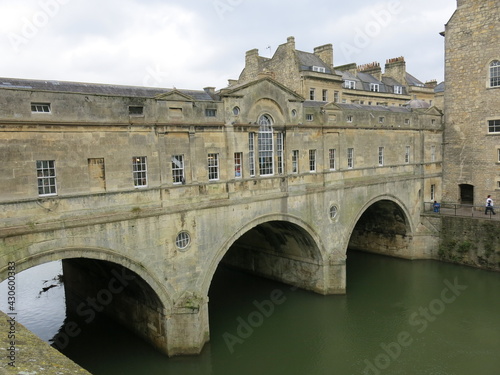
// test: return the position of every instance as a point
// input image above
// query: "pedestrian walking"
(489, 206)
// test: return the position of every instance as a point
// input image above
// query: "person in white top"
(489, 206)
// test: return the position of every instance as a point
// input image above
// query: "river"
(398, 317)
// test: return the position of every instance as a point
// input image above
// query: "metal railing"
(458, 209)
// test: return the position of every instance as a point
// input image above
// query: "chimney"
(251, 65)
(431, 84)
(373, 68)
(396, 69)
(290, 41)
(325, 53)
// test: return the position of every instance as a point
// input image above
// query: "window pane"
(495, 74)
(178, 169)
(139, 168)
(46, 176)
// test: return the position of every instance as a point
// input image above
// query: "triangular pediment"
(265, 82)
(331, 106)
(175, 96)
(434, 111)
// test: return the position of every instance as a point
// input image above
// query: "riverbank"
(25, 353)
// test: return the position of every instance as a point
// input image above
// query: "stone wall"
(469, 241)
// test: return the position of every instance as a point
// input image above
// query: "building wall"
(472, 156)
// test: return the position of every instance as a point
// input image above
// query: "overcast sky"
(193, 44)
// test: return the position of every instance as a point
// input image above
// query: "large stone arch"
(63, 253)
(384, 226)
(315, 242)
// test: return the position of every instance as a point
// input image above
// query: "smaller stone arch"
(383, 226)
(493, 73)
(315, 245)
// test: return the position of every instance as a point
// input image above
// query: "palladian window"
(265, 144)
(495, 74)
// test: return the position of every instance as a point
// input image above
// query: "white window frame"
(210, 112)
(494, 73)
(280, 147)
(178, 169)
(331, 157)
(295, 161)
(494, 126)
(312, 93)
(433, 192)
(398, 90)
(46, 177)
(350, 158)
(266, 146)
(213, 166)
(41, 108)
(312, 161)
(350, 84)
(375, 87)
(349, 118)
(319, 69)
(251, 153)
(309, 117)
(238, 164)
(325, 95)
(140, 171)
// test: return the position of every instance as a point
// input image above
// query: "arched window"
(266, 146)
(495, 74)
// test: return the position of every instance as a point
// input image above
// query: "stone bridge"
(144, 247)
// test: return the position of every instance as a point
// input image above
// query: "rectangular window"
(407, 154)
(350, 158)
(433, 192)
(312, 160)
(380, 156)
(407, 121)
(381, 119)
(375, 87)
(498, 159)
(325, 95)
(251, 153)
(178, 169)
(295, 161)
(494, 126)
(309, 117)
(319, 69)
(495, 74)
(335, 96)
(210, 112)
(40, 108)
(279, 151)
(349, 118)
(238, 164)
(331, 154)
(140, 171)
(46, 175)
(312, 94)
(97, 175)
(433, 153)
(398, 90)
(135, 110)
(350, 85)
(213, 167)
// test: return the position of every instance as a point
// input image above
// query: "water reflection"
(394, 319)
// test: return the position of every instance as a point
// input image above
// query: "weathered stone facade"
(163, 183)
(472, 103)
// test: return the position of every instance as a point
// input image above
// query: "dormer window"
(40, 108)
(375, 87)
(319, 69)
(350, 85)
(398, 90)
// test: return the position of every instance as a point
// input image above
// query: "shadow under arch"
(97, 254)
(383, 226)
(305, 256)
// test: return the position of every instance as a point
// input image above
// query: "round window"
(294, 113)
(236, 111)
(183, 240)
(334, 210)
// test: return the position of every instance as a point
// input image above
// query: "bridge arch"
(102, 254)
(287, 230)
(384, 226)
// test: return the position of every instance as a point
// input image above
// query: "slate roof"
(308, 60)
(440, 87)
(373, 108)
(96, 88)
